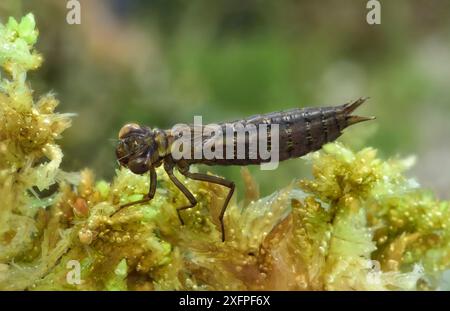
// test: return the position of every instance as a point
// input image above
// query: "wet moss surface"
(358, 224)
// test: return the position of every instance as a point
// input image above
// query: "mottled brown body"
(301, 131)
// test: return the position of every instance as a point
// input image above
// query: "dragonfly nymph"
(300, 131)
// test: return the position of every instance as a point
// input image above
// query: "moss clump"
(359, 224)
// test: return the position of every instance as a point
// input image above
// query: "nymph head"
(136, 148)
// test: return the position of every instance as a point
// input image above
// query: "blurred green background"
(161, 62)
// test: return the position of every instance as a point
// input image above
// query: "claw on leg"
(147, 197)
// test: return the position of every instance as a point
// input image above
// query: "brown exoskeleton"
(301, 131)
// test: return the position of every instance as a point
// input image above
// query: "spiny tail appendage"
(351, 107)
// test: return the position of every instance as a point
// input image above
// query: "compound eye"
(138, 166)
(128, 128)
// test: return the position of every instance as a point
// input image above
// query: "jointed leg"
(219, 181)
(168, 167)
(148, 196)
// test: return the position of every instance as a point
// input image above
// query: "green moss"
(358, 224)
(118, 280)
